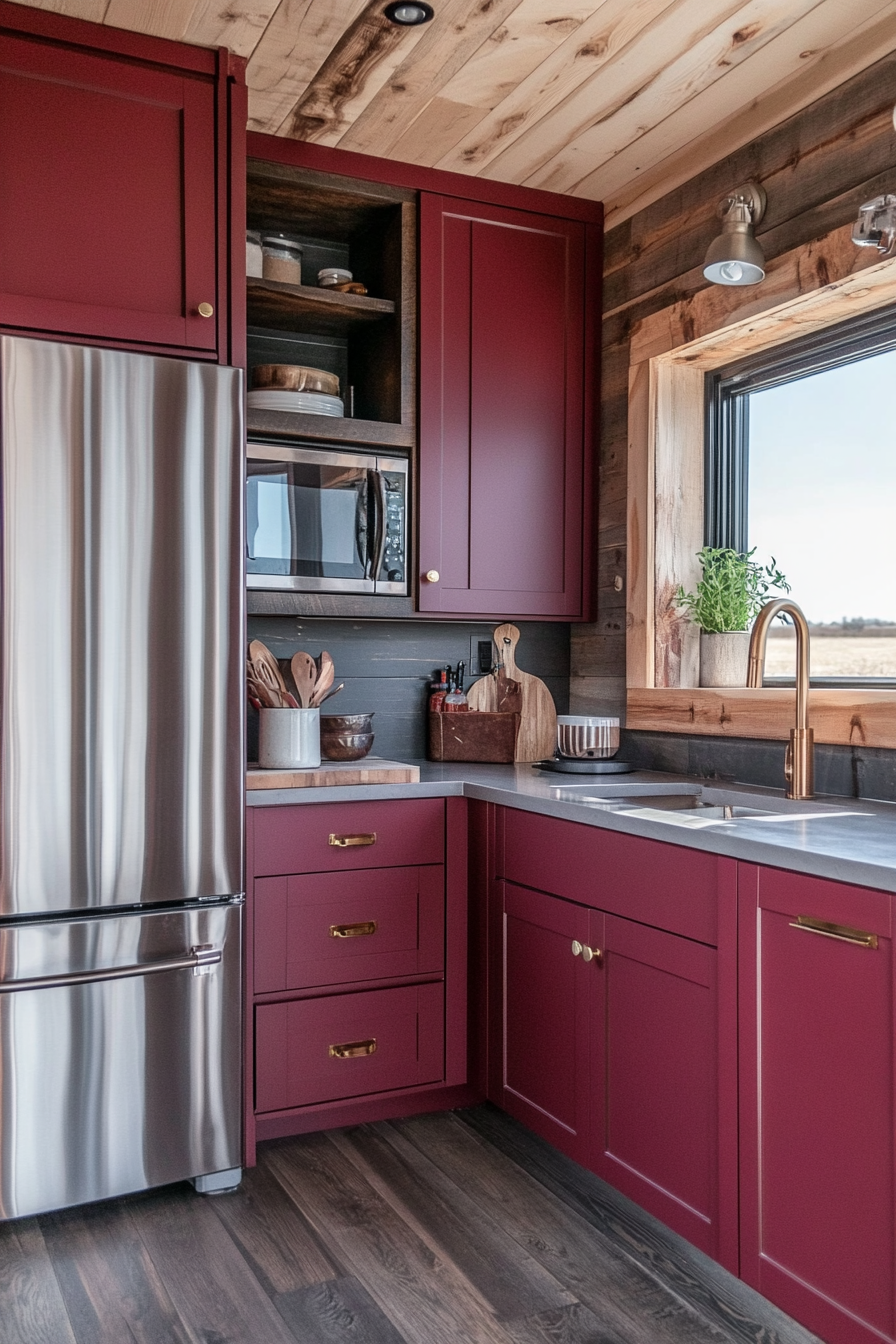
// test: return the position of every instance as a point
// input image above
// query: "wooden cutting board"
(370, 770)
(538, 722)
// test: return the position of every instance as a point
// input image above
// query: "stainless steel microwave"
(325, 522)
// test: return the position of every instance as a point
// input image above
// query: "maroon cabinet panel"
(665, 885)
(657, 1051)
(333, 928)
(349, 1045)
(108, 201)
(503, 460)
(316, 837)
(616, 1040)
(818, 1115)
(545, 1070)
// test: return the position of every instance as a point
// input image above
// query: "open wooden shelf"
(330, 429)
(305, 308)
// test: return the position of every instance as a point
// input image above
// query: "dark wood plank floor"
(440, 1229)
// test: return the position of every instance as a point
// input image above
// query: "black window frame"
(726, 456)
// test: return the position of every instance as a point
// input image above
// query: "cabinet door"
(502, 460)
(656, 1075)
(817, 1103)
(544, 1078)
(107, 203)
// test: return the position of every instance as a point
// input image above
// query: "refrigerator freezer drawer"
(119, 1054)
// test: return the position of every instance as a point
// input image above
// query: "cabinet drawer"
(315, 1050)
(336, 928)
(656, 883)
(333, 837)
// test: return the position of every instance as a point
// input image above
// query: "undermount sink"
(686, 804)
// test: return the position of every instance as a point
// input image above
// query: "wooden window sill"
(848, 717)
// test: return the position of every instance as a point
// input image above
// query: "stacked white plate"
(279, 399)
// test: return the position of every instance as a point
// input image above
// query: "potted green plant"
(733, 588)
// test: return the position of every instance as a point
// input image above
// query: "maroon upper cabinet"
(818, 1109)
(505, 450)
(110, 226)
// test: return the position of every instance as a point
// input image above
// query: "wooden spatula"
(325, 678)
(304, 674)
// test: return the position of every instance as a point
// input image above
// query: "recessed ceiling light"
(409, 13)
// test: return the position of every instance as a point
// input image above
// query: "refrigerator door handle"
(199, 960)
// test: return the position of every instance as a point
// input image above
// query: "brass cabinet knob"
(577, 948)
(205, 310)
(432, 576)
(592, 954)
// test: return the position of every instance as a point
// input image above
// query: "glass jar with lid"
(281, 258)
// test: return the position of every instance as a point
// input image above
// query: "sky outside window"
(822, 501)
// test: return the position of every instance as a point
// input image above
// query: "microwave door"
(307, 525)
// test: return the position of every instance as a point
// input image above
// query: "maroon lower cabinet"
(542, 1072)
(356, 995)
(613, 1037)
(818, 1102)
(664, 1096)
(505, 429)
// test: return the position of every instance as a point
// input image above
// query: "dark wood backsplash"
(387, 666)
(817, 167)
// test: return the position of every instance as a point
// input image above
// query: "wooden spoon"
(262, 657)
(304, 674)
(325, 679)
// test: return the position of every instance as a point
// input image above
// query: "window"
(801, 464)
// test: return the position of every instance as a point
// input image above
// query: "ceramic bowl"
(345, 746)
(331, 724)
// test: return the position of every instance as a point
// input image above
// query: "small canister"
(582, 735)
(333, 275)
(253, 254)
(281, 258)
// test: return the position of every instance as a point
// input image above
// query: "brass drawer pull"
(353, 1049)
(842, 932)
(360, 930)
(351, 841)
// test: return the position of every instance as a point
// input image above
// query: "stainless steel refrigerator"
(121, 765)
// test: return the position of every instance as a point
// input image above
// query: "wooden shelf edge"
(388, 607)
(335, 431)
(274, 295)
(840, 716)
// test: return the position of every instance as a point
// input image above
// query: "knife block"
(473, 736)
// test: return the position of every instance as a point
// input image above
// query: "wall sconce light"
(735, 257)
(876, 224)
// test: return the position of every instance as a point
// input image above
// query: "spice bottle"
(456, 700)
(439, 690)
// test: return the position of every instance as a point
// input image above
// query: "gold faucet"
(799, 761)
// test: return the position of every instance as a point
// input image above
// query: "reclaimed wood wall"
(817, 168)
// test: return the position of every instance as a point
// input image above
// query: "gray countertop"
(851, 840)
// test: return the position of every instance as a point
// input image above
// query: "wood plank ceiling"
(615, 100)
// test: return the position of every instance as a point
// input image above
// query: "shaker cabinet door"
(107, 197)
(542, 1072)
(818, 1106)
(504, 462)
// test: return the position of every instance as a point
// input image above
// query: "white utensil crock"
(288, 739)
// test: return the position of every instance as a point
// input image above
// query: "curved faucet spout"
(799, 763)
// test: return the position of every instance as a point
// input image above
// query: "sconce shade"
(735, 257)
